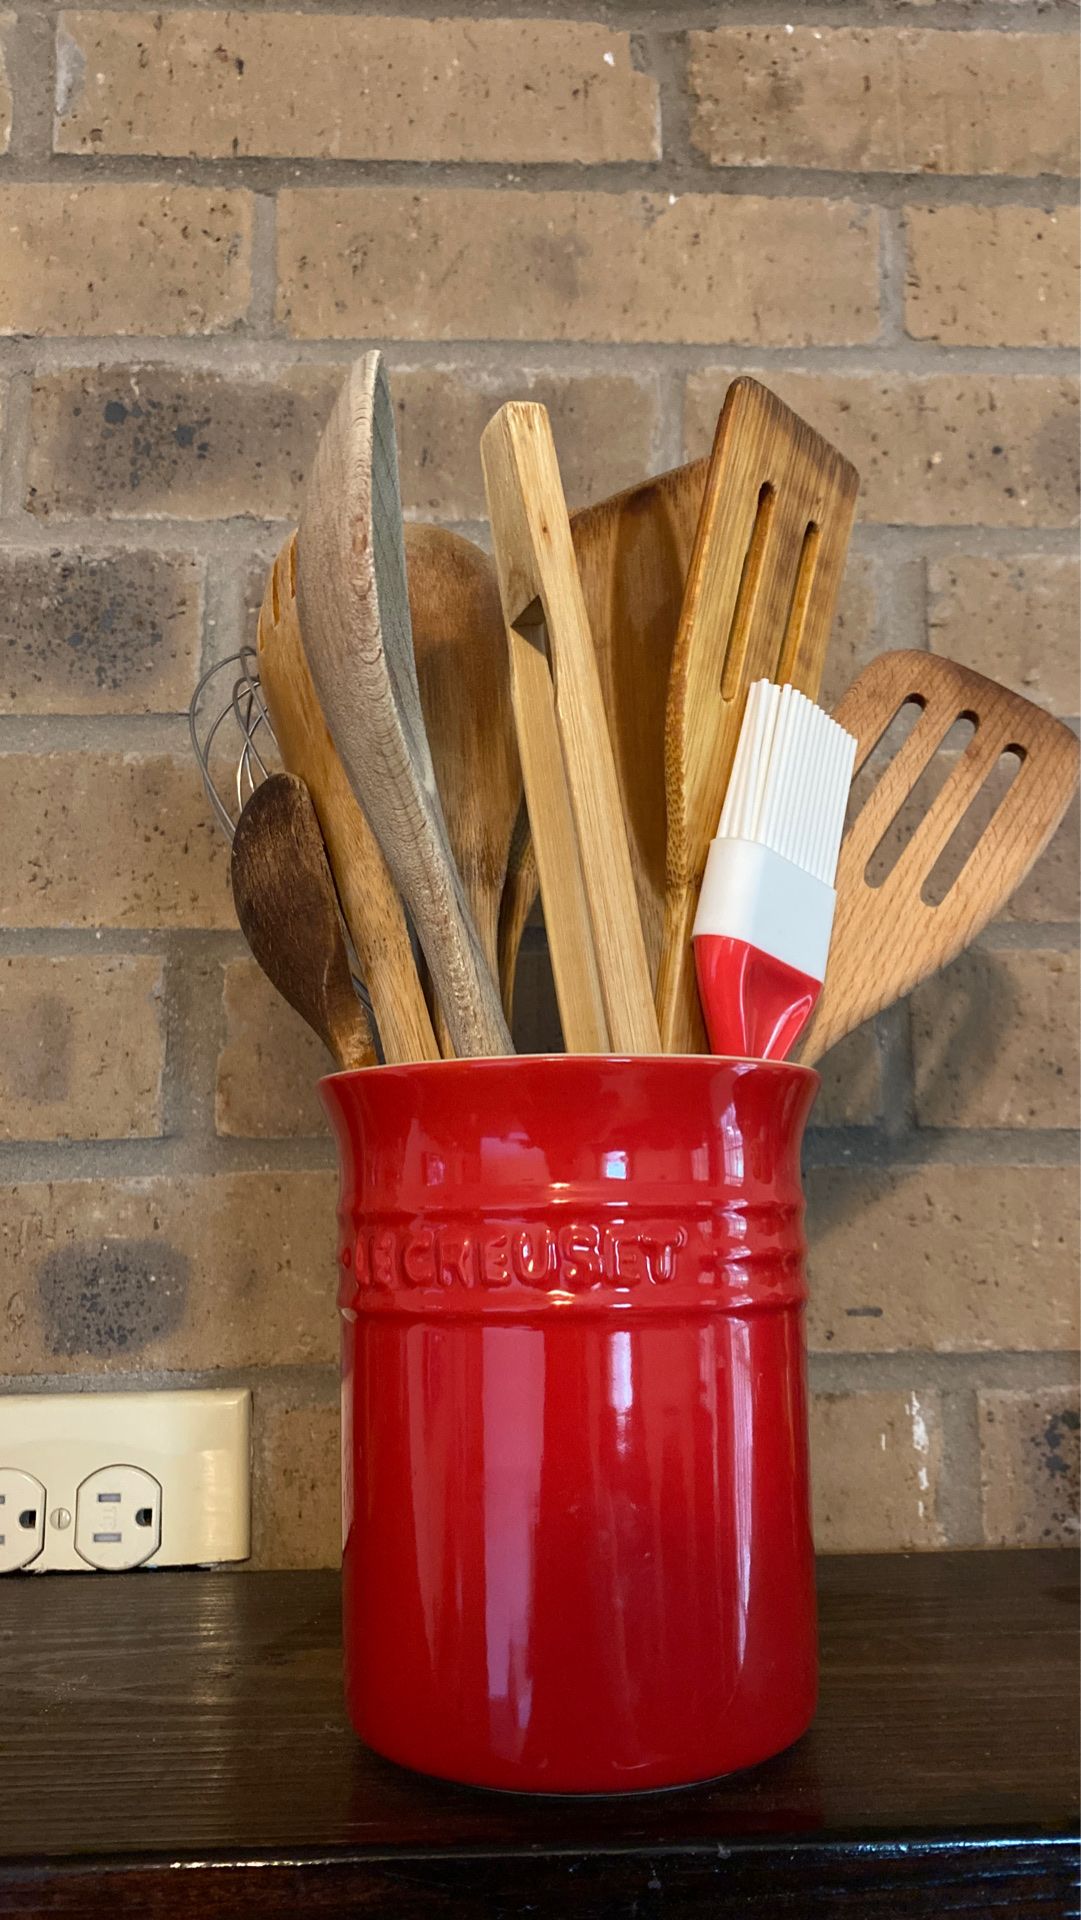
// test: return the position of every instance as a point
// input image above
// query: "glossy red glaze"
(577, 1545)
(752, 1002)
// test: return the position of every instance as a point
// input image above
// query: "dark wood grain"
(175, 1744)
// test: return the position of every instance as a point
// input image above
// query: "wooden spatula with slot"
(761, 590)
(370, 903)
(587, 884)
(285, 901)
(354, 614)
(889, 937)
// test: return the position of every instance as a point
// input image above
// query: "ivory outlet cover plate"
(127, 1479)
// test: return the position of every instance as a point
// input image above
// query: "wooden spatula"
(761, 590)
(370, 903)
(285, 901)
(633, 551)
(464, 678)
(587, 884)
(354, 614)
(887, 938)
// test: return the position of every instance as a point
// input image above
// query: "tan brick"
(876, 1468)
(882, 100)
(992, 276)
(335, 87)
(853, 641)
(111, 840)
(1029, 1466)
(296, 1484)
(269, 1064)
(168, 441)
(83, 1047)
(481, 264)
(604, 426)
(115, 632)
(124, 259)
(7, 22)
(851, 1074)
(949, 449)
(954, 1259)
(995, 1041)
(234, 1271)
(1051, 892)
(1016, 619)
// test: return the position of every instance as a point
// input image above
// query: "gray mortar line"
(959, 1492)
(1028, 1369)
(258, 361)
(268, 175)
(855, 1150)
(949, 15)
(871, 1149)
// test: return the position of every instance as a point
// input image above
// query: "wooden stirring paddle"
(633, 552)
(283, 891)
(761, 590)
(464, 680)
(888, 937)
(370, 903)
(354, 613)
(587, 884)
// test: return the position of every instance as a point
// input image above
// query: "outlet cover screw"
(60, 1518)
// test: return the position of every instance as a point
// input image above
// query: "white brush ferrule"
(749, 892)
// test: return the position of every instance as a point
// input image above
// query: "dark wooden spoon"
(283, 891)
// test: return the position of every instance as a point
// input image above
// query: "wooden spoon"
(888, 937)
(587, 884)
(285, 901)
(464, 678)
(354, 614)
(373, 911)
(763, 582)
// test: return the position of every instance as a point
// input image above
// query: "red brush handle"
(754, 1005)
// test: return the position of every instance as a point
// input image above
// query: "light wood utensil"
(761, 590)
(370, 902)
(283, 891)
(587, 883)
(887, 938)
(633, 552)
(354, 614)
(464, 678)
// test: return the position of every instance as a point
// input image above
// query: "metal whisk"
(234, 762)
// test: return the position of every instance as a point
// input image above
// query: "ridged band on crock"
(730, 1259)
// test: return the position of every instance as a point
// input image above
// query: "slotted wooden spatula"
(587, 884)
(761, 590)
(887, 938)
(354, 614)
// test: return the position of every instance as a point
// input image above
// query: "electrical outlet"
(22, 1519)
(118, 1517)
(118, 1480)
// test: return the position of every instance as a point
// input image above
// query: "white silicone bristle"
(790, 780)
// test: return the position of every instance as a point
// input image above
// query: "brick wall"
(868, 204)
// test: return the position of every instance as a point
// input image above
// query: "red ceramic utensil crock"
(577, 1542)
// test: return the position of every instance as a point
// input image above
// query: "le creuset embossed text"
(577, 1552)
